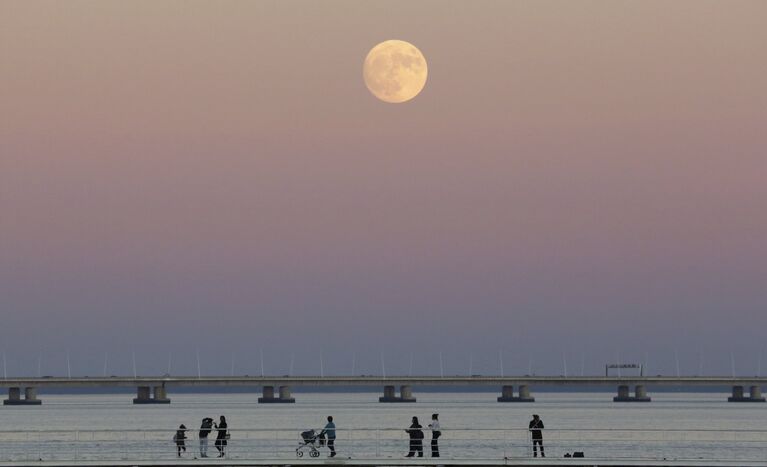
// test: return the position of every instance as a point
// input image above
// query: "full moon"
(395, 71)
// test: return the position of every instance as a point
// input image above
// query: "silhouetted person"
(205, 429)
(330, 432)
(180, 438)
(221, 436)
(416, 438)
(435, 434)
(535, 427)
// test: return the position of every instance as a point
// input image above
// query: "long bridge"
(277, 389)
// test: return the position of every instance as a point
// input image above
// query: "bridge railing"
(385, 443)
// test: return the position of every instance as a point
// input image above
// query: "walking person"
(205, 429)
(416, 438)
(535, 427)
(222, 436)
(435, 434)
(179, 438)
(330, 432)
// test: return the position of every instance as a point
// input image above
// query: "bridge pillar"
(389, 395)
(143, 395)
(507, 394)
(640, 394)
(739, 396)
(623, 391)
(267, 395)
(30, 397)
(14, 397)
(269, 398)
(285, 396)
(160, 395)
(405, 394)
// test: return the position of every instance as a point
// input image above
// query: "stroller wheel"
(315, 454)
(299, 453)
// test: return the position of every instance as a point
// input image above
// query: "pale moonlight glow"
(395, 71)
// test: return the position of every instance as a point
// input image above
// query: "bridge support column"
(269, 398)
(143, 395)
(14, 397)
(507, 394)
(30, 397)
(160, 395)
(405, 394)
(738, 395)
(389, 395)
(640, 394)
(285, 396)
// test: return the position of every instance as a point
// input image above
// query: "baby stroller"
(312, 440)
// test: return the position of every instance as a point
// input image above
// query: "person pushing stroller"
(330, 432)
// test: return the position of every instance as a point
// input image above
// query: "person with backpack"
(435, 434)
(205, 429)
(416, 438)
(179, 438)
(222, 436)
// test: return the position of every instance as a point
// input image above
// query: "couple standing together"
(416, 437)
(221, 438)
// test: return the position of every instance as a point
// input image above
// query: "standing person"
(330, 432)
(221, 437)
(435, 434)
(179, 438)
(535, 427)
(205, 428)
(416, 438)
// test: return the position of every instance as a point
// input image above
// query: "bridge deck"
(257, 381)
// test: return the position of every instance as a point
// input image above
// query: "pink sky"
(576, 176)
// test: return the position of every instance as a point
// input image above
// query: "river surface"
(474, 425)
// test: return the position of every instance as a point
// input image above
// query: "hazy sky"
(577, 178)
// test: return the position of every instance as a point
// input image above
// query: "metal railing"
(386, 443)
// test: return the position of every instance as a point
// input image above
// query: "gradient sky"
(577, 178)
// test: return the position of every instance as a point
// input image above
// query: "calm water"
(474, 425)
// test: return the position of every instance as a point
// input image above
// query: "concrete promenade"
(277, 389)
(547, 462)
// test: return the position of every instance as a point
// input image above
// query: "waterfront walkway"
(386, 447)
(396, 463)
